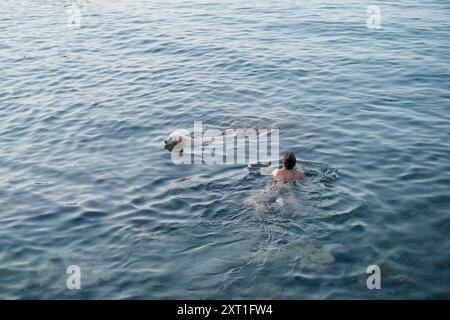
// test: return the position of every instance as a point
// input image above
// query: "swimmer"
(288, 173)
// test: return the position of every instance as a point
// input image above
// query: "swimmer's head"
(289, 160)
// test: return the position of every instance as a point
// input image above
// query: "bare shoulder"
(300, 174)
(275, 172)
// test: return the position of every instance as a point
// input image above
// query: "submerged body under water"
(84, 178)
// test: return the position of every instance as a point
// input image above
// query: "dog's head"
(174, 139)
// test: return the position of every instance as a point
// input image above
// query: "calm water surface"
(84, 178)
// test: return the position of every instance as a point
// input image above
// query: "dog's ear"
(180, 139)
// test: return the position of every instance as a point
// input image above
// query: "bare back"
(287, 174)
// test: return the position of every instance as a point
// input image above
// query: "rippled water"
(84, 178)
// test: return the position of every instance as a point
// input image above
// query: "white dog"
(178, 137)
(181, 137)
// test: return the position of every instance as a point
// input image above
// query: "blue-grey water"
(84, 178)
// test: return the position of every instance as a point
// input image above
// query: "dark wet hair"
(289, 160)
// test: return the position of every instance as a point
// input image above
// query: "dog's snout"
(165, 141)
